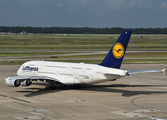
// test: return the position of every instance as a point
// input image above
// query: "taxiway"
(112, 100)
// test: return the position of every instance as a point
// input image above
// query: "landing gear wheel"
(77, 86)
(65, 87)
(53, 87)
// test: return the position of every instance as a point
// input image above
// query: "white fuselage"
(70, 73)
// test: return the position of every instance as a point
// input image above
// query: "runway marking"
(15, 98)
(148, 110)
(43, 118)
(153, 118)
(20, 100)
(3, 95)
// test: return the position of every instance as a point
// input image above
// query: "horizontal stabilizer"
(104, 73)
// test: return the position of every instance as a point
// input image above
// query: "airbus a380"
(69, 74)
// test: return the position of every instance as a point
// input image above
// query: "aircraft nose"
(19, 71)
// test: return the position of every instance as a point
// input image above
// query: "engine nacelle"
(26, 83)
(12, 82)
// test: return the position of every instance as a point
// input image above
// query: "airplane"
(75, 74)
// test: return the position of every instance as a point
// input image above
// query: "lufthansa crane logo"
(118, 50)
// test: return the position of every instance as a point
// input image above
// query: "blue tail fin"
(115, 56)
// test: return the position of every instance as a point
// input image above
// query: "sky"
(84, 13)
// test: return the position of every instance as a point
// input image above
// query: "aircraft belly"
(99, 78)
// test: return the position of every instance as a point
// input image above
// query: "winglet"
(163, 71)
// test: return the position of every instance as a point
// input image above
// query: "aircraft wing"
(27, 80)
(22, 78)
(144, 71)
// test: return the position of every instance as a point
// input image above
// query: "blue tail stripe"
(115, 56)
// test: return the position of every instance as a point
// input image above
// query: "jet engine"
(12, 82)
(26, 83)
(16, 83)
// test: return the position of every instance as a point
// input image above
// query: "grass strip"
(4, 54)
(125, 61)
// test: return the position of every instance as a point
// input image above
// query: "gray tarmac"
(112, 100)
